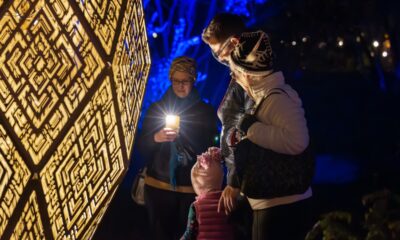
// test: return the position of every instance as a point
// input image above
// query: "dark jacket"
(198, 129)
(234, 104)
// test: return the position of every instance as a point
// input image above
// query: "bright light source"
(386, 43)
(358, 39)
(384, 54)
(155, 35)
(172, 121)
(340, 43)
(294, 43)
(304, 39)
(375, 43)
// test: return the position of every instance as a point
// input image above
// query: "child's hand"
(228, 199)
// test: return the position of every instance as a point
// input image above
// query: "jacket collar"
(261, 87)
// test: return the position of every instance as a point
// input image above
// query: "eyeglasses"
(217, 54)
(183, 82)
(224, 45)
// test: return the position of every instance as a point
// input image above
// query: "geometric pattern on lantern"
(102, 17)
(131, 67)
(78, 177)
(46, 71)
(14, 175)
(30, 225)
(72, 80)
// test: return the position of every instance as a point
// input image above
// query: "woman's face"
(182, 83)
(221, 50)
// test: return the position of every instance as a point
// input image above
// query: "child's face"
(207, 179)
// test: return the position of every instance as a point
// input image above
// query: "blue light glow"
(335, 169)
(238, 7)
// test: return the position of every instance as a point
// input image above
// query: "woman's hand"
(165, 135)
(228, 199)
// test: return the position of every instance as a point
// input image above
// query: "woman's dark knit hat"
(253, 54)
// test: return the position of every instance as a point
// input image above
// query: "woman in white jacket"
(279, 125)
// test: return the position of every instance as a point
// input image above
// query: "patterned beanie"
(183, 64)
(253, 54)
(207, 173)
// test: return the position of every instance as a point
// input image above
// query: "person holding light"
(175, 130)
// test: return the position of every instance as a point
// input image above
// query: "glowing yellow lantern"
(72, 79)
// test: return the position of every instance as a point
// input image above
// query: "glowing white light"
(384, 54)
(375, 43)
(155, 35)
(304, 39)
(340, 43)
(358, 39)
(294, 43)
(172, 121)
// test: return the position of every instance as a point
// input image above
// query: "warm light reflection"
(72, 79)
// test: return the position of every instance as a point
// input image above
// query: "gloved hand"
(234, 136)
(245, 122)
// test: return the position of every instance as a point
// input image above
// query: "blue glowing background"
(349, 89)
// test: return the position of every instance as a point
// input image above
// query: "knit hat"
(207, 173)
(183, 64)
(253, 54)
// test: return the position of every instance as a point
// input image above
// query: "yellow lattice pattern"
(72, 80)
(103, 18)
(14, 176)
(85, 167)
(29, 226)
(131, 67)
(88, 234)
(50, 70)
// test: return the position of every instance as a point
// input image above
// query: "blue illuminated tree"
(174, 29)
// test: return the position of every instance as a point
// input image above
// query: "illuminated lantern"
(72, 79)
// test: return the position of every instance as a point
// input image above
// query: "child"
(204, 221)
